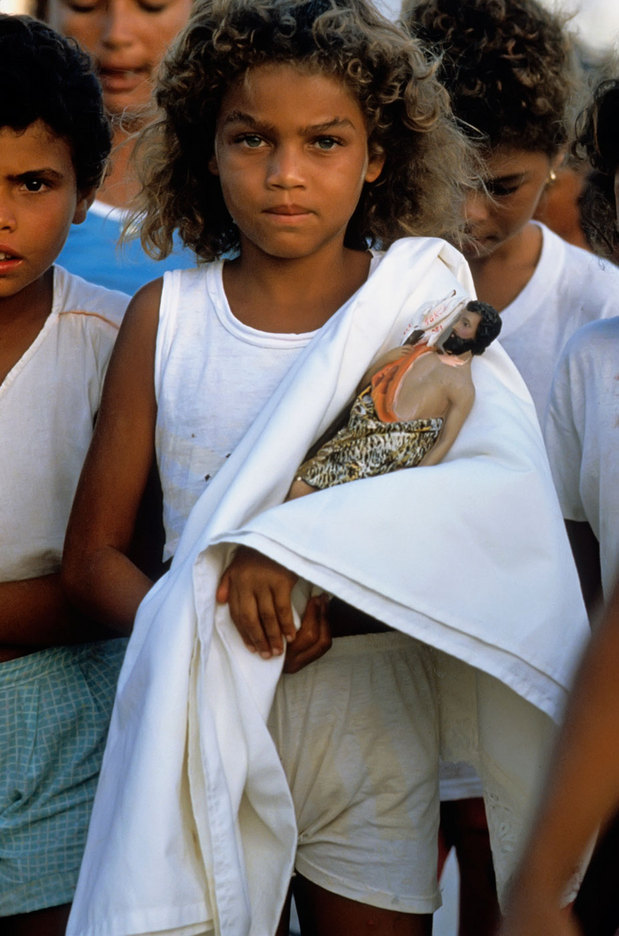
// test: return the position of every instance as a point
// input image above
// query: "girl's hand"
(257, 591)
(313, 638)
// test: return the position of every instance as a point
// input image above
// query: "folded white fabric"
(193, 828)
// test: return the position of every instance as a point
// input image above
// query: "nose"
(285, 167)
(8, 221)
(117, 24)
(476, 207)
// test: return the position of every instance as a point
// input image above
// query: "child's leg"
(283, 928)
(322, 913)
(49, 922)
(464, 821)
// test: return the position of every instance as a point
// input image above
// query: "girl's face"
(291, 153)
(515, 181)
(127, 39)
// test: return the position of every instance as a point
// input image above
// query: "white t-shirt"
(213, 375)
(48, 403)
(569, 288)
(582, 437)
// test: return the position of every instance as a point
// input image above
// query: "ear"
(558, 159)
(376, 162)
(212, 165)
(84, 201)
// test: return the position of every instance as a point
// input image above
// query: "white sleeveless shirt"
(213, 375)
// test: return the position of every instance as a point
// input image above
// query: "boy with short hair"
(57, 674)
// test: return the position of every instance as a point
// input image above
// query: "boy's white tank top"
(213, 375)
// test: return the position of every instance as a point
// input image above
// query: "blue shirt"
(92, 252)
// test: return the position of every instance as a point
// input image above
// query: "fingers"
(257, 591)
(223, 589)
(313, 638)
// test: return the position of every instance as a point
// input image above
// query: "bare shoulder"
(138, 332)
(130, 373)
(143, 310)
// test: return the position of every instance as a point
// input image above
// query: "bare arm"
(34, 613)
(582, 791)
(97, 573)
(461, 395)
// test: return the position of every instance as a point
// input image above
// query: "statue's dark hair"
(47, 77)
(488, 329)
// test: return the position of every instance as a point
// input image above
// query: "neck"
(292, 295)
(455, 360)
(31, 304)
(502, 275)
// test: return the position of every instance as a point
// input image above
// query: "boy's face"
(515, 181)
(291, 153)
(38, 203)
(127, 39)
(466, 325)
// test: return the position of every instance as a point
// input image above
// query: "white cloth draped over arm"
(193, 828)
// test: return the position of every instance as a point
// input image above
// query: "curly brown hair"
(508, 66)
(597, 139)
(428, 161)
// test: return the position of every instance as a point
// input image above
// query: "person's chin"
(479, 248)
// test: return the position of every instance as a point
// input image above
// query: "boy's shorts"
(357, 732)
(56, 707)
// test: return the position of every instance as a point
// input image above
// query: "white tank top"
(213, 375)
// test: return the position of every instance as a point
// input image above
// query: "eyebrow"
(508, 177)
(35, 173)
(335, 123)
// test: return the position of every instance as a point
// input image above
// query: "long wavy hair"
(428, 161)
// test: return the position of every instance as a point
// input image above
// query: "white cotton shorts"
(357, 732)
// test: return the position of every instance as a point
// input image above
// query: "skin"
(428, 390)
(558, 207)
(581, 792)
(506, 245)
(289, 268)
(38, 203)
(127, 40)
(291, 179)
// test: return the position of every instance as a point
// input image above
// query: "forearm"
(35, 613)
(582, 791)
(107, 586)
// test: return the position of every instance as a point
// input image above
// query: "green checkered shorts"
(55, 708)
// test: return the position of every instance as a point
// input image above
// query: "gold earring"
(552, 177)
